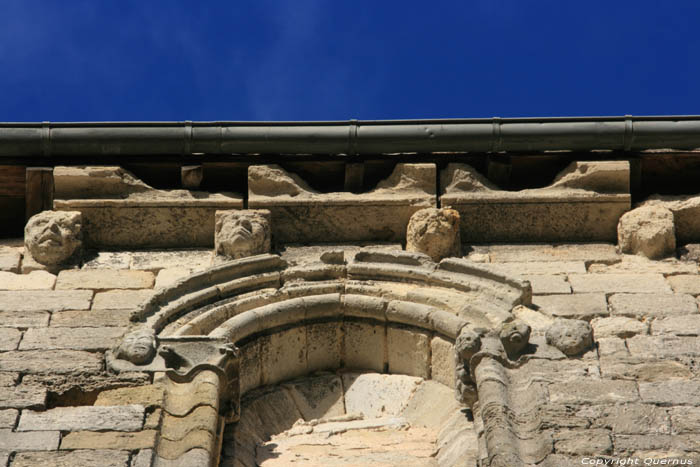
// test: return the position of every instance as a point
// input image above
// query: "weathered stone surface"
(318, 397)
(434, 232)
(618, 326)
(548, 285)
(250, 370)
(324, 341)
(71, 338)
(8, 417)
(628, 418)
(685, 419)
(102, 458)
(23, 397)
(107, 260)
(643, 371)
(685, 214)
(442, 363)
(89, 418)
(35, 280)
(32, 441)
(365, 346)
(144, 458)
(587, 252)
(514, 336)
(431, 405)
(283, 355)
(576, 306)
(203, 418)
(58, 362)
(685, 325)
(593, 392)
(47, 300)
(9, 338)
(95, 182)
(302, 215)
(408, 352)
(104, 279)
(8, 378)
(558, 212)
(375, 395)
(10, 260)
(689, 284)
(91, 318)
(109, 440)
(647, 231)
(138, 346)
(168, 277)
(238, 234)
(571, 336)
(266, 413)
(51, 237)
(147, 396)
(646, 305)
(120, 299)
(586, 442)
(651, 347)
(152, 219)
(530, 268)
(672, 392)
(620, 283)
(24, 319)
(155, 260)
(633, 264)
(538, 322)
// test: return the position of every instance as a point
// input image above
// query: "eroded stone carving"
(434, 232)
(51, 237)
(571, 336)
(647, 231)
(137, 347)
(467, 344)
(242, 233)
(514, 336)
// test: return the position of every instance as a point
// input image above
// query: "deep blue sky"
(65, 60)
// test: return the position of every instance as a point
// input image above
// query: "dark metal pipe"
(349, 137)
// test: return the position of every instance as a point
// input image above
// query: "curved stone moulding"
(397, 286)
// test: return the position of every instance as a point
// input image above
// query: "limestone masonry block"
(8, 417)
(283, 355)
(23, 397)
(571, 336)
(47, 300)
(90, 418)
(672, 392)
(323, 342)
(318, 397)
(91, 318)
(408, 352)
(593, 392)
(104, 279)
(35, 280)
(618, 326)
(578, 306)
(686, 214)
(684, 325)
(645, 305)
(109, 440)
(364, 346)
(621, 283)
(95, 182)
(434, 232)
(442, 363)
(300, 214)
(57, 362)
(583, 203)
(9, 338)
(102, 457)
(547, 285)
(238, 234)
(29, 441)
(71, 338)
(52, 237)
(375, 395)
(647, 231)
(689, 284)
(10, 260)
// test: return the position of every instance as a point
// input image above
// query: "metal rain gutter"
(353, 137)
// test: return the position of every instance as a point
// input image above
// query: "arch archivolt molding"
(235, 326)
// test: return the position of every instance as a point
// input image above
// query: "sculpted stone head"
(242, 233)
(515, 336)
(51, 237)
(137, 347)
(434, 232)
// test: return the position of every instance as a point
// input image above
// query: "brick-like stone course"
(35, 280)
(29, 441)
(547, 284)
(47, 300)
(120, 299)
(619, 283)
(24, 319)
(22, 397)
(91, 318)
(71, 338)
(671, 392)
(104, 279)
(80, 458)
(576, 306)
(593, 392)
(57, 361)
(8, 418)
(89, 418)
(646, 305)
(689, 284)
(128, 441)
(9, 338)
